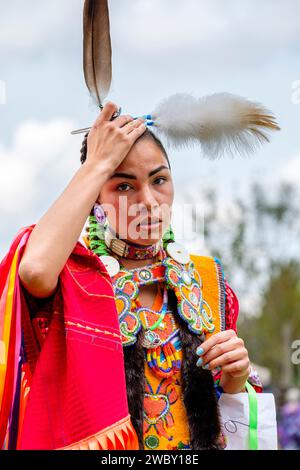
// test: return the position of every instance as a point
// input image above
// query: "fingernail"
(199, 362)
(199, 351)
(206, 366)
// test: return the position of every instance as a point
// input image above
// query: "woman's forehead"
(144, 155)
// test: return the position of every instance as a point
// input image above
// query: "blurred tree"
(257, 240)
(269, 337)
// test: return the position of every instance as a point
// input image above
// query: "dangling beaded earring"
(97, 226)
(99, 214)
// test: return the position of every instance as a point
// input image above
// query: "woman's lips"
(150, 224)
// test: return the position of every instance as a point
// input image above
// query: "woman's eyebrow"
(133, 177)
(162, 167)
(124, 175)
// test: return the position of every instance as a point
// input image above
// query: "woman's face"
(139, 195)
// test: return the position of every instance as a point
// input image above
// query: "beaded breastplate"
(183, 279)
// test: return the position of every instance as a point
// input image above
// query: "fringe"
(120, 436)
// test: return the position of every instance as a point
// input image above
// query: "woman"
(176, 314)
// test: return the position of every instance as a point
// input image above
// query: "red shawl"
(71, 393)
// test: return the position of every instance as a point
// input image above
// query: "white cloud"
(33, 27)
(35, 168)
(208, 30)
(211, 33)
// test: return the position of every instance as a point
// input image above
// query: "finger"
(225, 359)
(121, 121)
(215, 339)
(137, 132)
(107, 113)
(131, 126)
(238, 369)
(222, 348)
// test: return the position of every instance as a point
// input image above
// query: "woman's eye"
(123, 187)
(159, 180)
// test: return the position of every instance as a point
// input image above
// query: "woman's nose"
(147, 198)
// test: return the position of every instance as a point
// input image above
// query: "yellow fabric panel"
(207, 268)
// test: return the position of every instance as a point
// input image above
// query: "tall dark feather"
(97, 49)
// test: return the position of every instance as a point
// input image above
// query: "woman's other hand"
(226, 350)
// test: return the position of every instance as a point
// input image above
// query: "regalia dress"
(90, 368)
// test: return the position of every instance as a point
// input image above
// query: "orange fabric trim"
(206, 267)
(119, 436)
(157, 303)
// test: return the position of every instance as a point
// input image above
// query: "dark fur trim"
(135, 384)
(199, 396)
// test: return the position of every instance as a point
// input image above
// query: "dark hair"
(146, 135)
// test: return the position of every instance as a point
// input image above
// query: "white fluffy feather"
(222, 123)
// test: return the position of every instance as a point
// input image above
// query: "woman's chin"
(146, 238)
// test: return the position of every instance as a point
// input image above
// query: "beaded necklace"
(130, 250)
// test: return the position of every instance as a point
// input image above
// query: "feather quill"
(222, 123)
(97, 49)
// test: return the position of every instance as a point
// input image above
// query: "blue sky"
(160, 47)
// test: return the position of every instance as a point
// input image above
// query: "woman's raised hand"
(59, 229)
(109, 141)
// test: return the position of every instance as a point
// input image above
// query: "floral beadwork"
(126, 293)
(186, 283)
(183, 279)
(157, 407)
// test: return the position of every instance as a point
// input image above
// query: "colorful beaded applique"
(186, 283)
(183, 279)
(156, 325)
(126, 285)
(164, 361)
(157, 407)
(165, 332)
